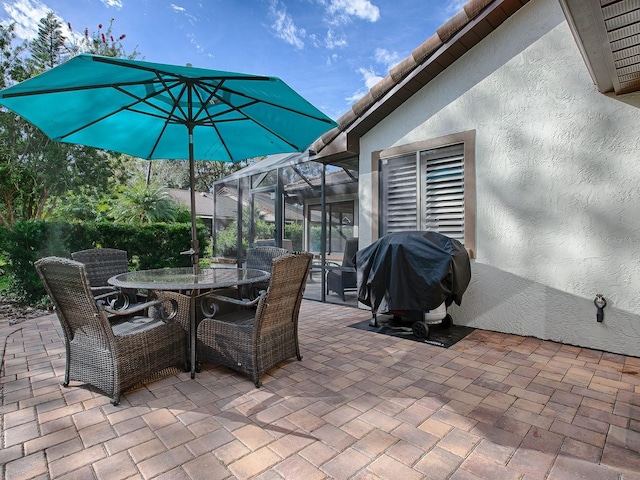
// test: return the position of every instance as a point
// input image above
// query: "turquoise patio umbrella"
(157, 111)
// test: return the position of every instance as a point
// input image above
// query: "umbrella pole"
(192, 186)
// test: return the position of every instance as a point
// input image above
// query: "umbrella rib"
(211, 119)
(253, 101)
(266, 102)
(224, 144)
(166, 89)
(176, 105)
(75, 89)
(213, 123)
(246, 117)
(130, 108)
(298, 148)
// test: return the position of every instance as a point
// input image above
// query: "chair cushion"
(240, 317)
(133, 325)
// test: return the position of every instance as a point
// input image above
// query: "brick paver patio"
(360, 405)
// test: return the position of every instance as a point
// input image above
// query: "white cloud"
(315, 41)
(342, 11)
(387, 58)
(454, 6)
(192, 19)
(331, 41)
(333, 58)
(112, 3)
(199, 48)
(357, 95)
(26, 14)
(369, 76)
(284, 26)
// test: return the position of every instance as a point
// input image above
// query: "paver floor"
(360, 405)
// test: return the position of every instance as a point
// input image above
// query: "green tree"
(175, 174)
(49, 48)
(35, 172)
(141, 204)
(104, 43)
(11, 56)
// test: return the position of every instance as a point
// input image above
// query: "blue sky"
(330, 51)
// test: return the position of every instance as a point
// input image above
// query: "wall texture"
(557, 171)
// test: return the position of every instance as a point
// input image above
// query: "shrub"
(152, 246)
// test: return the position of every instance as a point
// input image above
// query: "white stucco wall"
(557, 171)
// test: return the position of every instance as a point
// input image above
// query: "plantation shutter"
(399, 194)
(442, 171)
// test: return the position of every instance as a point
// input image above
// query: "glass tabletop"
(184, 279)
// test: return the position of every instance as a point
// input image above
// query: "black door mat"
(438, 335)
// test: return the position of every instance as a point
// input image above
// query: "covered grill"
(411, 273)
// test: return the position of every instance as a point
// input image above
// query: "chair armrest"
(103, 290)
(136, 308)
(104, 296)
(235, 301)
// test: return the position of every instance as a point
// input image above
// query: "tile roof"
(204, 201)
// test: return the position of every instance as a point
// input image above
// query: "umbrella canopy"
(157, 111)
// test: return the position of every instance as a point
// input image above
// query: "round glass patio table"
(184, 279)
(181, 279)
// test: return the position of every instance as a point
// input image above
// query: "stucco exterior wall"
(557, 172)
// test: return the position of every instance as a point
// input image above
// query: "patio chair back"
(111, 354)
(283, 298)
(261, 258)
(253, 341)
(67, 284)
(101, 264)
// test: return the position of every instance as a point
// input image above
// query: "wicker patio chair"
(111, 354)
(101, 264)
(260, 258)
(252, 341)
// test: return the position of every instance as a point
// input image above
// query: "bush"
(293, 231)
(152, 246)
(227, 238)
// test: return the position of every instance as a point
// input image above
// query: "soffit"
(608, 35)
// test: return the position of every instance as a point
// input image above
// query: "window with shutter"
(400, 194)
(443, 191)
(430, 185)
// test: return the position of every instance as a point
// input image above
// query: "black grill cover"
(412, 271)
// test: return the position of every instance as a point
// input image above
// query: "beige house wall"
(557, 175)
